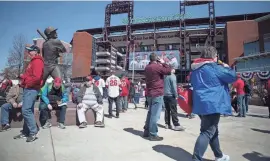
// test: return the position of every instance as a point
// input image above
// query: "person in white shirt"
(113, 85)
(144, 62)
(135, 62)
(100, 83)
(89, 97)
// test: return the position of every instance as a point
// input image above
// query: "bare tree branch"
(16, 54)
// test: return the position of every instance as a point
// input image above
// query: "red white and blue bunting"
(263, 75)
(247, 75)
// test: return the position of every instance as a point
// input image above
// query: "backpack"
(247, 89)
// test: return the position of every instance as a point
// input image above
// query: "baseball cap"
(57, 81)
(33, 48)
(89, 78)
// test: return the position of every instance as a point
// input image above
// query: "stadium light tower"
(119, 7)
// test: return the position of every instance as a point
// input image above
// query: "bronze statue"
(52, 47)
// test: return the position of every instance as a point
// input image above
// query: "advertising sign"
(141, 59)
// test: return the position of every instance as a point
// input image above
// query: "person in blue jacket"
(53, 97)
(210, 100)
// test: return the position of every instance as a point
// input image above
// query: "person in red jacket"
(239, 86)
(31, 81)
(6, 85)
(125, 84)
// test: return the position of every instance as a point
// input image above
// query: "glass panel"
(267, 44)
(251, 48)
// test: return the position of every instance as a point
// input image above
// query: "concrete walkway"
(244, 139)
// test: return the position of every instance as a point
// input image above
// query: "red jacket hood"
(37, 57)
(197, 63)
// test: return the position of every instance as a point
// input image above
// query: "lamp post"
(132, 46)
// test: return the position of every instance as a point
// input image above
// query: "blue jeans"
(5, 109)
(247, 96)
(241, 105)
(153, 115)
(45, 113)
(29, 99)
(123, 102)
(208, 135)
(137, 98)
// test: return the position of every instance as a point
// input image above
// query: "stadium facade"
(127, 47)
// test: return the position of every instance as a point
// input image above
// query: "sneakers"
(110, 116)
(146, 134)
(179, 128)
(155, 138)
(5, 128)
(99, 124)
(224, 158)
(20, 136)
(31, 138)
(47, 125)
(61, 126)
(83, 125)
(168, 126)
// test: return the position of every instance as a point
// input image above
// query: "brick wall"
(82, 54)
(237, 33)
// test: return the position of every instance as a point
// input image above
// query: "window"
(266, 42)
(145, 48)
(161, 47)
(251, 48)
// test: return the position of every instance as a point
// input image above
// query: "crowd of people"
(210, 82)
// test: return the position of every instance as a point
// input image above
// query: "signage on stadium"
(141, 59)
(156, 19)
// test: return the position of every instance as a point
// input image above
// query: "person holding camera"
(211, 99)
(154, 77)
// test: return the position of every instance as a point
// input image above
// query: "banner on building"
(141, 59)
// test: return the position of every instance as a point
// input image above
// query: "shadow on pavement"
(182, 115)
(174, 153)
(258, 116)
(106, 115)
(255, 156)
(135, 132)
(262, 131)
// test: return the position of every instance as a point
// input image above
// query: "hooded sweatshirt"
(33, 76)
(170, 84)
(210, 87)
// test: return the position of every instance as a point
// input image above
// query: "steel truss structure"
(119, 7)
(184, 49)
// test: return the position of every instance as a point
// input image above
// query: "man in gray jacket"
(170, 101)
(89, 96)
